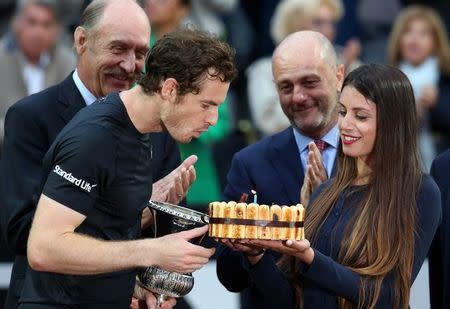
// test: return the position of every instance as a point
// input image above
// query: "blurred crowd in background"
(36, 52)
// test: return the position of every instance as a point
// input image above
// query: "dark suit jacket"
(271, 167)
(439, 256)
(30, 128)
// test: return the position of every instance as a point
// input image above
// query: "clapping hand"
(315, 173)
(173, 188)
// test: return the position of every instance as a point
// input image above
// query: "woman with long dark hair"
(371, 226)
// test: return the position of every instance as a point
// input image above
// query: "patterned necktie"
(320, 144)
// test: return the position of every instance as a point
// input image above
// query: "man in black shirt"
(81, 246)
(111, 56)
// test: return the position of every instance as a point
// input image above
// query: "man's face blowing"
(189, 115)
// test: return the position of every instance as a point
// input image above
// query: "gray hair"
(52, 5)
(93, 13)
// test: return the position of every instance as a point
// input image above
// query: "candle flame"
(253, 192)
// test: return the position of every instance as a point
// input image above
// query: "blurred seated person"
(165, 16)
(420, 48)
(30, 57)
(326, 15)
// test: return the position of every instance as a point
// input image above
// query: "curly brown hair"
(189, 56)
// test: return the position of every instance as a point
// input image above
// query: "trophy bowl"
(161, 282)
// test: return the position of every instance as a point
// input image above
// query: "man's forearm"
(73, 253)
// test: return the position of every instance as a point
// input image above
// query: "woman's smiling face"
(357, 124)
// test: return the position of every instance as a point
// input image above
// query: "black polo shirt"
(99, 166)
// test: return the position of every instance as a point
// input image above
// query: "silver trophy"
(161, 282)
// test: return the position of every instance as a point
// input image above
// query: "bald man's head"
(307, 42)
(97, 10)
(308, 80)
(112, 42)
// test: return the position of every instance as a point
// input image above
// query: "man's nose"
(129, 63)
(213, 117)
(299, 95)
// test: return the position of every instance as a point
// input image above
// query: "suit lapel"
(285, 158)
(69, 99)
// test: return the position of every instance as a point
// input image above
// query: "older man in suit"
(293, 162)
(31, 59)
(439, 257)
(111, 47)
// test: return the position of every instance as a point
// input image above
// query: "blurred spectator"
(419, 47)
(291, 16)
(207, 14)
(30, 58)
(325, 18)
(165, 16)
(441, 6)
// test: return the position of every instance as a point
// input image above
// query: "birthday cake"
(253, 221)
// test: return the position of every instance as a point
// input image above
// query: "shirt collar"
(88, 97)
(331, 138)
(43, 63)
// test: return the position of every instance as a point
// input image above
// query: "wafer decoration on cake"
(253, 221)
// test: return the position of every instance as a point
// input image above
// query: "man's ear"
(169, 89)
(80, 40)
(340, 75)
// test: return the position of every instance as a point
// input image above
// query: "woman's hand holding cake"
(254, 253)
(300, 249)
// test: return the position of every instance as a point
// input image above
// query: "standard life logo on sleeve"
(83, 184)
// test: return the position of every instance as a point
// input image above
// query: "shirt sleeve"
(82, 165)
(331, 275)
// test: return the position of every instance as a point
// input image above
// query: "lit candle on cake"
(255, 197)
